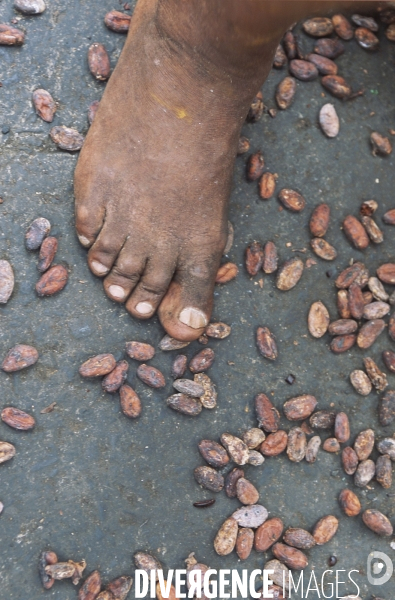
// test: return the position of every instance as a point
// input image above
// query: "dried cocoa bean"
(322, 419)
(368, 208)
(256, 109)
(390, 33)
(151, 376)
(363, 21)
(120, 587)
(46, 558)
(377, 522)
(30, 7)
(337, 86)
(274, 444)
(17, 419)
(349, 460)
(343, 326)
(318, 319)
(226, 538)
(253, 437)
(318, 27)
(170, 592)
(246, 492)
(66, 138)
(342, 343)
(267, 185)
(113, 381)
(255, 166)
(325, 529)
(384, 471)
(250, 516)
(146, 562)
(329, 121)
(19, 357)
(92, 110)
(179, 366)
(10, 36)
(91, 587)
(331, 445)
(367, 297)
(303, 70)
(267, 534)
(319, 221)
(366, 39)
(270, 258)
(285, 93)
(184, 404)
(360, 382)
(202, 361)
(280, 575)
(299, 538)
(342, 428)
(343, 307)
(7, 451)
(117, 21)
(52, 281)
(292, 200)
(231, 482)
(330, 48)
(280, 58)
(130, 402)
(48, 250)
(299, 408)
(267, 415)
(243, 146)
(312, 449)
(387, 408)
(44, 105)
(369, 333)
(254, 258)
(244, 543)
(389, 360)
(266, 343)
(168, 343)
(226, 273)
(389, 217)
(255, 458)
(364, 473)
(209, 479)
(291, 557)
(289, 274)
(59, 571)
(325, 66)
(237, 449)
(386, 273)
(219, 331)
(387, 446)
(356, 273)
(374, 232)
(209, 398)
(97, 366)
(290, 45)
(343, 27)
(214, 454)
(364, 444)
(377, 289)
(6, 281)
(297, 443)
(377, 377)
(188, 387)
(323, 249)
(355, 232)
(140, 350)
(380, 144)
(349, 503)
(36, 232)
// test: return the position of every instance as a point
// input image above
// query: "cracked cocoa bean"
(356, 273)
(323, 249)
(322, 419)
(218, 331)
(312, 449)
(366, 39)
(209, 479)
(10, 36)
(256, 109)
(91, 587)
(44, 105)
(236, 448)
(46, 558)
(380, 144)
(243, 147)
(209, 398)
(376, 376)
(253, 437)
(373, 230)
(296, 448)
(226, 273)
(188, 387)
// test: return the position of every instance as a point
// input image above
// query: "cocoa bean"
(349, 460)
(7, 451)
(254, 258)
(318, 27)
(120, 587)
(209, 479)
(255, 166)
(386, 273)
(266, 343)
(360, 382)
(366, 39)
(92, 110)
(325, 66)
(367, 298)
(303, 70)
(250, 516)
(30, 7)
(188, 387)
(289, 274)
(91, 587)
(299, 538)
(117, 21)
(218, 331)
(343, 307)
(364, 444)
(237, 449)
(343, 27)
(61, 570)
(44, 105)
(226, 538)
(386, 15)
(384, 471)
(368, 208)
(342, 343)
(246, 492)
(377, 522)
(323, 249)
(363, 21)
(209, 398)
(231, 482)
(46, 558)
(244, 543)
(306, 428)
(330, 48)
(337, 86)
(322, 419)
(267, 534)
(296, 448)
(377, 289)
(325, 529)
(19, 357)
(312, 449)
(285, 93)
(270, 258)
(36, 232)
(329, 122)
(267, 185)
(389, 217)
(331, 445)
(170, 594)
(140, 350)
(179, 366)
(349, 503)
(151, 376)
(202, 361)
(374, 232)
(48, 250)
(130, 402)
(355, 232)
(291, 557)
(267, 415)
(380, 144)
(389, 360)
(255, 458)
(168, 343)
(356, 273)
(226, 273)
(299, 408)
(280, 58)
(390, 33)
(214, 454)
(253, 437)
(342, 428)
(318, 319)
(319, 221)
(146, 562)
(290, 45)
(52, 281)
(280, 575)
(66, 138)
(387, 407)
(204, 503)
(256, 109)
(369, 333)
(113, 381)
(243, 146)
(274, 444)
(377, 377)
(387, 446)
(342, 326)
(6, 281)
(99, 365)
(292, 200)
(10, 36)
(17, 419)
(364, 473)
(184, 404)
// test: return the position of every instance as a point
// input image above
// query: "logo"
(379, 568)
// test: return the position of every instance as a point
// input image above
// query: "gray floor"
(91, 484)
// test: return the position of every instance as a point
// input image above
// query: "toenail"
(193, 318)
(83, 240)
(98, 267)
(116, 291)
(144, 308)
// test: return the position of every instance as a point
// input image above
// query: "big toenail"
(83, 240)
(116, 291)
(144, 308)
(193, 318)
(98, 267)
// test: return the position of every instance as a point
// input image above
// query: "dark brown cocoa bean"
(285, 93)
(274, 444)
(204, 503)
(243, 146)
(322, 419)
(312, 449)
(231, 482)
(280, 58)
(6, 281)
(66, 138)
(237, 449)
(296, 448)
(331, 445)
(369, 333)
(389, 217)
(117, 21)
(226, 538)
(364, 444)
(92, 110)
(17, 419)
(342, 428)
(226, 273)
(343, 307)
(97, 366)
(151, 376)
(342, 343)
(270, 258)
(343, 326)
(120, 587)
(244, 542)
(389, 360)
(318, 319)
(213, 453)
(209, 479)
(254, 258)
(90, 589)
(366, 39)
(299, 408)
(48, 250)
(356, 301)
(52, 281)
(185, 405)
(318, 27)
(44, 105)
(386, 273)
(328, 47)
(349, 503)
(289, 274)
(267, 415)
(266, 343)
(292, 200)
(364, 473)
(387, 408)
(325, 66)
(140, 350)
(343, 27)
(356, 273)
(246, 492)
(303, 70)
(202, 361)
(267, 534)
(130, 402)
(363, 21)
(377, 522)
(299, 538)
(349, 460)
(325, 529)
(384, 471)
(250, 516)
(376, 376)
(386, 15)
(361, 382)
(267, 185)
(292, 557)
(373, 230)
(10, 36)
(36, 232)
(113, 381)
(319, 220)
(380, 144)
(256, 109)
(255, 166)
(209, 398)
(179, 366)
(19, 357)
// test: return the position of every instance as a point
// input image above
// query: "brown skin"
(154, 176)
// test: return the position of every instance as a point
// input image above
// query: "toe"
(104, 252)
(126, 271)
(152, 286)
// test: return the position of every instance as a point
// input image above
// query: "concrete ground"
(88, 482)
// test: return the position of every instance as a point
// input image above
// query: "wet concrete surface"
(90, 483)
